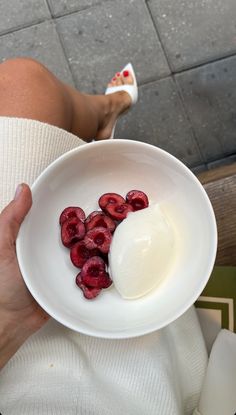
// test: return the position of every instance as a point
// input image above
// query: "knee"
(23, 69)
(29, 90)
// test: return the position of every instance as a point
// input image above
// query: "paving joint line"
(49, 8)
(64, 52)
(159, 37)
(205, 63)
(24, 26)
(82, 9)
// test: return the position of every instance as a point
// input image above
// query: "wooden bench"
(220, 185)
(216, 306)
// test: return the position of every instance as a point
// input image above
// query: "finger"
(13, 215)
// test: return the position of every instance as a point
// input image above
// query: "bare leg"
(29, 90)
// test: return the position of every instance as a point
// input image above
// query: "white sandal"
(132, 90)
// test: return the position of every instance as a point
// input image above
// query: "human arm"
(20, 315)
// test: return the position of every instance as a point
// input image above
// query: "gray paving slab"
(39, 42)
(199, 169)
(158, 118)
(222, 162)
(209, 95)
(195, 32)
(101, 40)
(15, 14)
(62, 7)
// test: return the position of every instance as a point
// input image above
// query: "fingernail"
(118, 74)
(18, 190)
(113, 79)
(126, 73)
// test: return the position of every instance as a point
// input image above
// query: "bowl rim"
(140, 331)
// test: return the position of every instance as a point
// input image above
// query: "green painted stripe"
(222, 284)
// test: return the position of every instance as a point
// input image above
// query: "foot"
(116, 104)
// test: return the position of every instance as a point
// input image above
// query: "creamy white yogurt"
(141, 251)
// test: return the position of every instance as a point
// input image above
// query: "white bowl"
(79, 177)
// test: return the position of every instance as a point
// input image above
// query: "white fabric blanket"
(58, 371)
(218, 396)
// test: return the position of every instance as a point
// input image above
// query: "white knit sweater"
(58, 371)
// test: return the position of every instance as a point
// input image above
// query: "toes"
(121, 78)
(113, 81)
(127, 77)
(116, 80)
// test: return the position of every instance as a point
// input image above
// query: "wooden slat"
(220, 185)
(217, 174)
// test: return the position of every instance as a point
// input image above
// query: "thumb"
(13, 215)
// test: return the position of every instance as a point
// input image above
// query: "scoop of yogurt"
(140, 252)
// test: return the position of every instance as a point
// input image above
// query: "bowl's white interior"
(79, 178)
